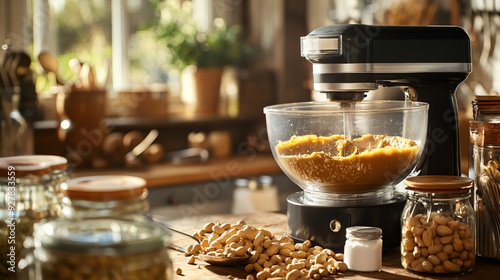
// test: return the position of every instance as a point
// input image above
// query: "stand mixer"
(315, 142)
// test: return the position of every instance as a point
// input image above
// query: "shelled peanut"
(270, 256)
(437, 244)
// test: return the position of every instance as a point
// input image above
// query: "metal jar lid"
(364, 232)
(101, 188)
(439, 184)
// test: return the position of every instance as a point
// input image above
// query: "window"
(100, 30)
(95, 31)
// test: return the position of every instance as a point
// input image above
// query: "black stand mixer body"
(428, 63)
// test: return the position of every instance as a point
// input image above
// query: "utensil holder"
(16, 137)
(82, 124)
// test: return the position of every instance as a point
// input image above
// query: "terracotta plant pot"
(206, 88)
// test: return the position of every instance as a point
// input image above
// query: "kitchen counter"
(168, 174)
(277, 224)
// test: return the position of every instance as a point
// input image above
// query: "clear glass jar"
(59, 175)
(363, 248)
(109, 195)
(485, 142)
(255, 195)
(26, 189)
(101, 248)
(438, 225)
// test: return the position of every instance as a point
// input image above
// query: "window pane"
(82, 30)
(79, 29)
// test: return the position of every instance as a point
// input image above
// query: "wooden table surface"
(277, 224)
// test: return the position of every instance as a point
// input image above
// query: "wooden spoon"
(103, 74)
(87, 77)
(50, 64)
(76, 66)
(213, 260)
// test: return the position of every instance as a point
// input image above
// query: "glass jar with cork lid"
(29, 195)
(438, 225)
(485, 163)
(107, 195)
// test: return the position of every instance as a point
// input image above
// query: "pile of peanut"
(439, 244)
(270, 256)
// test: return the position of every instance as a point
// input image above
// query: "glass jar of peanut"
(101, 248)
(438, 226)
(28, 188)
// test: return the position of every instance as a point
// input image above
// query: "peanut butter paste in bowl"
(339, 154)
(335, 164)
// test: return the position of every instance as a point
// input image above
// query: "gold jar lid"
(107, 187)
(439, 183)
(24, 166)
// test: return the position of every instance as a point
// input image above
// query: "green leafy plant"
(188, 45)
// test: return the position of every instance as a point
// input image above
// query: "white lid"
(364, 232)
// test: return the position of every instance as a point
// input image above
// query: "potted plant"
(207, 51)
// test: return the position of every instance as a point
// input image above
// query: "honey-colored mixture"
(333, 164)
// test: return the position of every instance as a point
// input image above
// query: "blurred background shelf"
(173, 131)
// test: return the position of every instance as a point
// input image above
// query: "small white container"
(363, 248)
(255, 195)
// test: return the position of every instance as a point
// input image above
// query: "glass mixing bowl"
(338, 152)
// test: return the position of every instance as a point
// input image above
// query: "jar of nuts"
(101, 248)
(110, 195)
(438, 225)
(29, 190)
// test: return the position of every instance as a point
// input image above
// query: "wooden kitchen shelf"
(214, 122)
(173, 130)
(216, 169)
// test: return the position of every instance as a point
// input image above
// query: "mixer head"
(349, 60)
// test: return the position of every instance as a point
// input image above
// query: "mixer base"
(326, 225)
